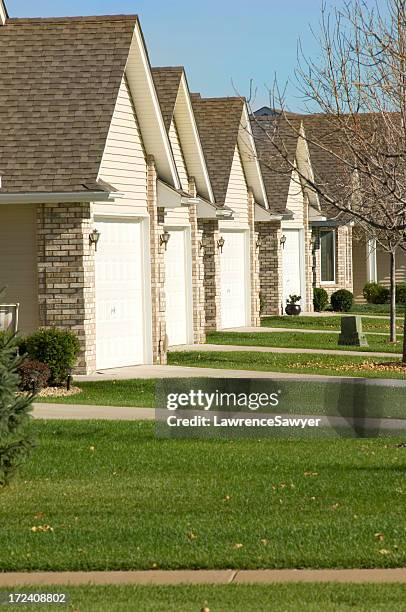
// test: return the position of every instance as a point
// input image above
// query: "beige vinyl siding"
(237, 194)
(18, 262)
(295, 201)
(383, 267)
(177, 216)
(123, 164)
(178, 155)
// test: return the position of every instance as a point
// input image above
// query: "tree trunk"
(392, 297)
(404, 338)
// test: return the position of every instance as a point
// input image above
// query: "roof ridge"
(67, 19)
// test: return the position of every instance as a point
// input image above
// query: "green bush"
(401, 294)
(15, 442)
(375, 293)
(320, 299)
(57, 348)
(341, 300)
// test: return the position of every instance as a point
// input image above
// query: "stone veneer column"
(199, 317)
(210, 235)
(157, 255)
(254, 264)
(270, 266)
(66, 275)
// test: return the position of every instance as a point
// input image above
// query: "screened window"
(328, 256)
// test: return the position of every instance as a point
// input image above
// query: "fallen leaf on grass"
(311, 474)
(379, 536)
(41, 528)
(237, 546)
(384, 551)
(192, 536)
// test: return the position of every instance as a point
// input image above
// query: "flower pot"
(293, 309)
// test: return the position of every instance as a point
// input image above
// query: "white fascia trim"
(3, 13)
(308, 170)
(255, 183)
(46, 197)
(164, 159)
(196, 137)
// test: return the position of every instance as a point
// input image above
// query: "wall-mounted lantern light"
(164, 239)
(221, 243)
(258, 243)
(204, 242)
(283, 240)
(94, 238)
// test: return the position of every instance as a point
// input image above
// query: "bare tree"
(358, 89)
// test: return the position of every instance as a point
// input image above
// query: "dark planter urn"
(293, 309)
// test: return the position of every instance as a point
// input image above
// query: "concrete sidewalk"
(228, 576)
(275, 349)
(300, 330)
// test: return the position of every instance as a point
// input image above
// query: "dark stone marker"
(351, 332)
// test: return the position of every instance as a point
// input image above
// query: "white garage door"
(234, 285)
(120, 330)
(292, 265)
(177, 289)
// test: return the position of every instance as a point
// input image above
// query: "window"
(328, 256)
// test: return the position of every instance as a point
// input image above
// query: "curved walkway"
(267, 576)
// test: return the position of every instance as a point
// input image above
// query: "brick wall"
(270, 266)
(157, 254)
(254, 264)
(211, 272)
(66, 281)
(199, 317)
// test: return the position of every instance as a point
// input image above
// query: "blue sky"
(220, 42)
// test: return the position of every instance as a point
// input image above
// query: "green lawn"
(327, 365)
(118, 498)
(332, 322)
(134, 392)
(375, 309)
(232, 598)
(377, 344)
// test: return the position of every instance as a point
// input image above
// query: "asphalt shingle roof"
(167, 81)
(59, 80)
(218, 121)
(276, 172)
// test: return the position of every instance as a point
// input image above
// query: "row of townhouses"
(139, 214)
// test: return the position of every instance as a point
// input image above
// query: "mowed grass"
(377, 344)
(326, 365)
(111, 496)
(326, 323)
(231, 598)
(132, 392)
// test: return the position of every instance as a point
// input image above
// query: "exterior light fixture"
(164, 239)
(283, 240)
(94, 238)
(220, 243)
(258, 243)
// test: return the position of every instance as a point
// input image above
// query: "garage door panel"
(233, 273)
(120, 327)
(292, 264)
(177, 288)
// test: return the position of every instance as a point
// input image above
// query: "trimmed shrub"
(57, 348)
(376, 294)
(15, 443)
(341, 300)
(401, 294)
(320, 299)
(34, 375)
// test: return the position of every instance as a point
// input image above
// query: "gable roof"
(276, 172)
(59, 81)
(167, 83)
(218, 120)
(175, 101)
